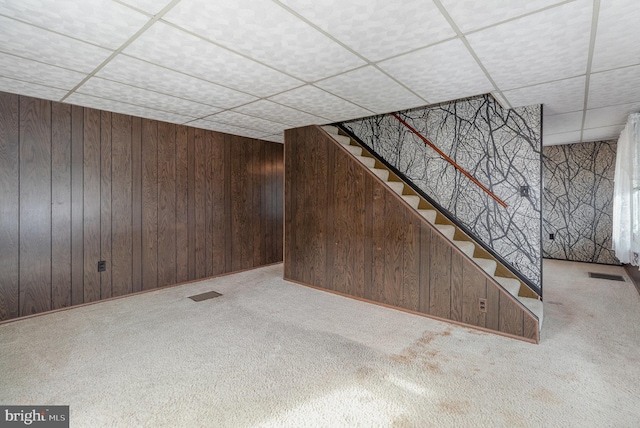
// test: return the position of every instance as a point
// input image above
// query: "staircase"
(494, 269)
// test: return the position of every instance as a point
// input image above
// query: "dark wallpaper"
(578, 197)
(501, 148)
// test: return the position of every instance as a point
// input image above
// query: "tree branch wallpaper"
(501, 148)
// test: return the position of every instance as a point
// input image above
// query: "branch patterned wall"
(578, 198)
(501, 148)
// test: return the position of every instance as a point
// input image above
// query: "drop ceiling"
(257, 67)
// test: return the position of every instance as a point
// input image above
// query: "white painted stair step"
(489, 266)
(383, 174)
(396, 186)
(535, 306)
(466, 247)
(354, 150)
(330, 129)
(369, 162)
(412, 200)
(509, 284)
(446, 230)
(342, 139)
(429, 215)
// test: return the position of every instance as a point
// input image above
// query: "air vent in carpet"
(605, 276)
(205, 296)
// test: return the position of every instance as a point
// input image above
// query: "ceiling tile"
(320, 103)
(244, 121)
(621, 86)
(564, 138)
(559, 123)
(37, 72)
(278, 113)
(228, 129)
(371, 89)
(377, 29)
(614, 115)
(558, 97)
(550, 45)
(34, 43)
(601, 134)
(135, 72)
(276, 138)
(101, 22)
(471, 15)
(129, 94)
(124, 108)
(178, 50)
(443, 72)
(617, 36)
(31, 89)
(267, 33)
(150, 6)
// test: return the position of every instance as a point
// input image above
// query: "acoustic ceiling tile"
(443, 72)
(560, 123)
(621, 86)
(129, 94)
(175, 49)
(135, 72)
(557, 97)
(124, 108)
(564, 138)
(602, 134)
(152, 7)
(320, 103)
(31, 89)
(613, 115)
(617, 36)
(377, 29)
(470, 14)
(371, 89)
(101, 22)
(278, 113)
(550, 45)
(227, 129)
(244, 121)
(266, 32)
(37, 72)
(51, 48)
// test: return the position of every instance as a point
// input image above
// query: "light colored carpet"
(269, 353)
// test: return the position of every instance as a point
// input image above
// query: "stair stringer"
(505, 313)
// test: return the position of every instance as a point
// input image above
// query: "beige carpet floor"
(269, 353)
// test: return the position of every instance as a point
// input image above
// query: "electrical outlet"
(552, 236)
(102, 266)
(482, 305)
(524, 191)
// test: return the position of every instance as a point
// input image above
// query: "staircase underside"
(457, 279)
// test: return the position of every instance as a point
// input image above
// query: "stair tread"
(466, 247)
(487, 265)
(535, 306)
(397, 186)
(382, 173)
(354, 149)
(342, 139)
(412, 200)
(329, 129)
(510, 284)
(367, 160)
(447, 230)
(429, 215)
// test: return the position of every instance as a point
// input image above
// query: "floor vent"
(606, 276)
(205, 296)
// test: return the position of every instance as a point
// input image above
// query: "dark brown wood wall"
(160, 203)
(347, 232)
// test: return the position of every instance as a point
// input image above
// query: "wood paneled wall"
(160, 203)
(347, 232)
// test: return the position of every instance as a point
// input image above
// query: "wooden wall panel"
(9, 194)
(35, 205)
(149, 247)
(152, 200)
(348, 232)
(60, 205)
(91, 204)
(121, 209)
(105, 204)
(166, 204)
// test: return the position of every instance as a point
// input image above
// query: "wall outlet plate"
(102, 266)
(482, 305)
(524, 191)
